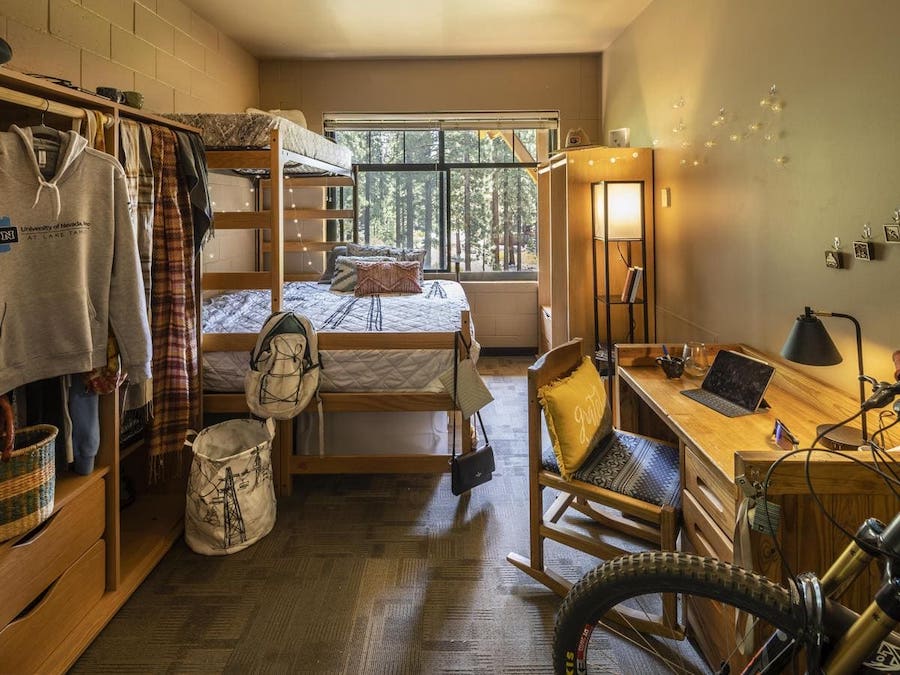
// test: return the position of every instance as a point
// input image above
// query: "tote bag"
(230, 495)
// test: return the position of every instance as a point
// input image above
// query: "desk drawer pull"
(701, 539)
(709, 494)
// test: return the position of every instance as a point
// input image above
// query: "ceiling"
(293, 29)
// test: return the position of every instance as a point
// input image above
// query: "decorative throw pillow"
(578, 415)
(397, 276)
(417, 254)
(344, 278)
(330, 257)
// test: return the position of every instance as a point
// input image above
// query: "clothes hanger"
(42, 130)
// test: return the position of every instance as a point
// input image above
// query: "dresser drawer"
(26, 642)
(35, 559)
(711, 491)
(705, 536)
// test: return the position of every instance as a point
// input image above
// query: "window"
(463, 187)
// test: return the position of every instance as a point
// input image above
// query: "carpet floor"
(384, 574)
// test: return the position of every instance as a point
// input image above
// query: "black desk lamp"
(810, 344)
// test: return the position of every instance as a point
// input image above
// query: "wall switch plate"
(665, 196)
(619, 138)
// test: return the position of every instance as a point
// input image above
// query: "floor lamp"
(809, 343)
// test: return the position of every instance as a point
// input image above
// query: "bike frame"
(858, 636)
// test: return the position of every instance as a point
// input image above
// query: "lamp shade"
(618, 210)
(809, 343)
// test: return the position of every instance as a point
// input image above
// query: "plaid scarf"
(173, 310)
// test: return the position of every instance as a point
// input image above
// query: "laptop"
(734, 385)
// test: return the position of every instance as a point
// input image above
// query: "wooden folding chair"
(629, 485)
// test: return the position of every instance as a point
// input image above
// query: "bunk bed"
(264, 145)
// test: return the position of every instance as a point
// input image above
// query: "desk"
(715, 448)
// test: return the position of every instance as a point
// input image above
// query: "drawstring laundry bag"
(230, 494)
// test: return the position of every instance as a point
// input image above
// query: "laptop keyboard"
(716, 402)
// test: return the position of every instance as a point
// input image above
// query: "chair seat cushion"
(631, 465)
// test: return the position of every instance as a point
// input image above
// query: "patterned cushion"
(578, 415)
(396, 276)
(344, 278)
(630, 465)
(330, 258)
(417, 254)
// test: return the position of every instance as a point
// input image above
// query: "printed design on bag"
(215, 494)
(9, 235)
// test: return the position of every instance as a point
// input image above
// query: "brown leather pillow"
(396, 276)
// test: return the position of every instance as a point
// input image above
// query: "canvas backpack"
(284, 367)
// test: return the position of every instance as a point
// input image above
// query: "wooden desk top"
(799, 401)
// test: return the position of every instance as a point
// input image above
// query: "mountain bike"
(801, 628)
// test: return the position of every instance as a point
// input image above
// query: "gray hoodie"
(68, 262)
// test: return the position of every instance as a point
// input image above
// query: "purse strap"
(459, 338)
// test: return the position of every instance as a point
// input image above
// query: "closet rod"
(17, 97)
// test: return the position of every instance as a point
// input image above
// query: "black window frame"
(444, 168)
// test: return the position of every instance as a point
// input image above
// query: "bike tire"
(633, 576)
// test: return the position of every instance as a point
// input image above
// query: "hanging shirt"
(68, 262)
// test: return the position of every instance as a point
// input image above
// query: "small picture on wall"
(833, 260)
(862, 250)
(892, 233)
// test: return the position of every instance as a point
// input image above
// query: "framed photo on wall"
(892, 233)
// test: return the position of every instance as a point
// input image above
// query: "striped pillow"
(344, 278)
(398, 276)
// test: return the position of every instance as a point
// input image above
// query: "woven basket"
(28, 481)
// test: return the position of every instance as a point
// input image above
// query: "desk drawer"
(26, 642)
(712, 492)
(35, 559)
(706, 537)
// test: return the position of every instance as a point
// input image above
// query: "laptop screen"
(738, 378)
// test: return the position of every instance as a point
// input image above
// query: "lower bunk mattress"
(436, 309)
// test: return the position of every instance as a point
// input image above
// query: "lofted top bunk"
(303, 152)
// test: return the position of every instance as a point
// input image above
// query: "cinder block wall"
(504, 312)
(179, 61)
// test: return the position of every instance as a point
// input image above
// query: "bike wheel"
(637, 582)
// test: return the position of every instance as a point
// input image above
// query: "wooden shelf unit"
(568, 304)
(76, 605)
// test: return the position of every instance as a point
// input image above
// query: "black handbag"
(470, 469)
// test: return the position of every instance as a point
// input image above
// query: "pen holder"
(673, 366)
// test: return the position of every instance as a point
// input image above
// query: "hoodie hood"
(71, 145)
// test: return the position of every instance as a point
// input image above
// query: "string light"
(720, 118)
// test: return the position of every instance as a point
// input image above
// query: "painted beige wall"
(568, 83)
(741, 250)
(161, 48)
(505, 314)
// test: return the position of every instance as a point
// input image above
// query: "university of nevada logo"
(8, 235)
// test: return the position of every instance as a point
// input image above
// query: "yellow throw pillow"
(578, 415)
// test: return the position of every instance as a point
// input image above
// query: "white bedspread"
(436, 309)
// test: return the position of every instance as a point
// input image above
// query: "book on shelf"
(636, 283)
(626, 288)
(633, 278)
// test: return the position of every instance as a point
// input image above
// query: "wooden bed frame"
(287, 463)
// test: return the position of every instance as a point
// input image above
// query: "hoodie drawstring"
(54, 189)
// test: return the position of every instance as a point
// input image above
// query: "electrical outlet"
(619, 138)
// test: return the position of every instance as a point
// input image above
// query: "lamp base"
(842, 438)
